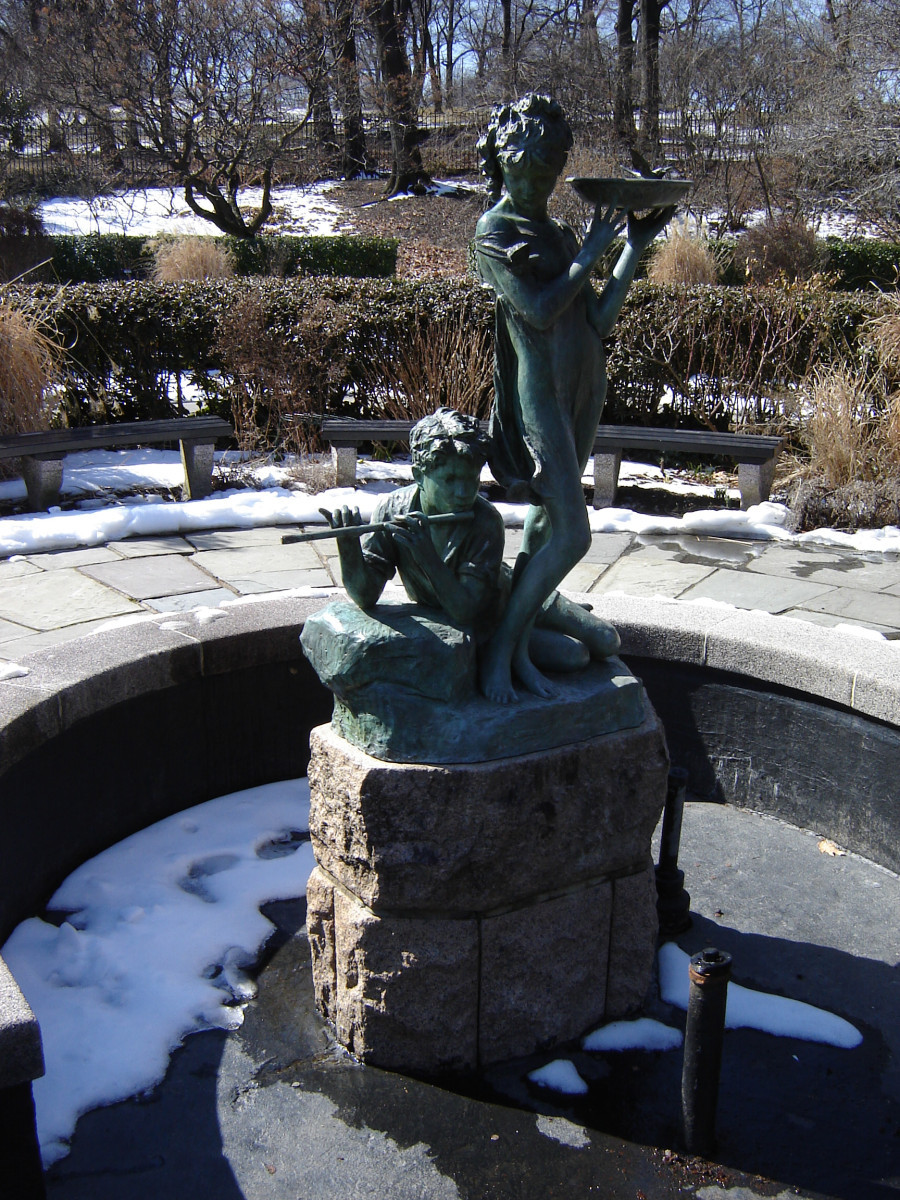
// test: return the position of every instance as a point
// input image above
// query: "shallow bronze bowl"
(632, 194)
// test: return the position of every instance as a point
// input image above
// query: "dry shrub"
(27, 364)
(444, 362)
(28, 361)
(314, 474)
(778, 251)
(682, 258)
(180, 259)
(841, 428)
(280, 379)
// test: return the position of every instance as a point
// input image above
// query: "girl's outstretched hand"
(606, 224)
(642, 230)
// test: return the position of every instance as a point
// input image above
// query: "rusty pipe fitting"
(709, 973)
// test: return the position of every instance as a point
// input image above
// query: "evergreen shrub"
(100, 257)
(714, 357)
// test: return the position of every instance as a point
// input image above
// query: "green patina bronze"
(550, 368)
(478, 629)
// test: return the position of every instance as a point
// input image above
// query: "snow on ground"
(151, 211)
(159, 929)
(277, 499)
(747, 1009)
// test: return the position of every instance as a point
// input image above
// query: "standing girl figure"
(550, 365)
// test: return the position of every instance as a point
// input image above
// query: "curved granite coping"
(83, 677)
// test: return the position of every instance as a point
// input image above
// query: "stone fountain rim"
(146, 654)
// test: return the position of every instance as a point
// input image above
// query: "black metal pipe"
(673, 902)
(709, 973)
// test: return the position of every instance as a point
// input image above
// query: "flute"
(358, 530)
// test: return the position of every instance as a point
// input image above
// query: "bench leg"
(606, 478)
(20, 1154)
(43, 479)
(197, 460)
(755, 481)
(343, 459)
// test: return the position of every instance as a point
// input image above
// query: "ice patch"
(642, 1034)
(560, 1076)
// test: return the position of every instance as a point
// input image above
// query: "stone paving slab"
(15, 568)
(244, 562)
(768, 593)
(281, 581)
(857, 604)
(188, 600)
(54, 599)
(141, 547)
(10, 630)
(840, 571)
(55, 560)
(651, 576)
(583, 577)
(237, 539)
(144, 578)
(692, 548)
(33, 641)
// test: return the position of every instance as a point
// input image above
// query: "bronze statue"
(550, 365)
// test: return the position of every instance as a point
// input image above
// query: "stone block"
(320, 932)
(406, 992)
(543, 973)
(480, 836)
(632, 946)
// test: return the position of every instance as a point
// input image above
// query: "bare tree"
(200, 80)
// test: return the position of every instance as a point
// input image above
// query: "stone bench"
(755, 455)
(42, 453)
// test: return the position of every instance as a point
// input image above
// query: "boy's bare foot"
(530, 677)
(495, 677)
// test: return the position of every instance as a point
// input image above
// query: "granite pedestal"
(463, 914)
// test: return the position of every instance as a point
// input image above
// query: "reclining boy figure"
(457, 567)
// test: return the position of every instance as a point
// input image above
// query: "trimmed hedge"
(727, 354)
(114, 257)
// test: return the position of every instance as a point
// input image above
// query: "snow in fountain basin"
(161, 927)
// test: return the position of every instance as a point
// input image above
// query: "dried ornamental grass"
(27, 361)
(682, 258)
(840, 430)
(183, 259)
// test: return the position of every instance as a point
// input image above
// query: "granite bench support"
(21, 1062)
(42, 453)
(755, 455)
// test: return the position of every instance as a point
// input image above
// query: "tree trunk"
(407, 171)
(623, 113)
(649, 140)
(355, 157)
